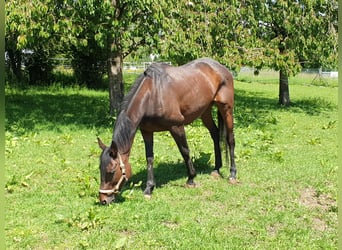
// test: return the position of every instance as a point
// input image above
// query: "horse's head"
(114, 171)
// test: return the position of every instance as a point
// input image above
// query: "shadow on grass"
(252, 108)
(36, 111)
(30, 112)
(166, 172)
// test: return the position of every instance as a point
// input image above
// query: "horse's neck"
(137, 107)
(124, 132)
(126, 126)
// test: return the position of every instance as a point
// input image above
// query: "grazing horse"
(166, 98)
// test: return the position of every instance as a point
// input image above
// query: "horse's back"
(225, 90)
(199, 77)
(182, 94)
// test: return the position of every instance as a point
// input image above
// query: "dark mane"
(124, 130)
(128, 97)
(156, 71)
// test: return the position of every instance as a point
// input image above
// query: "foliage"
(98, 28)
(28, 23)
(296, 33)
(39, 67)
(98, 35)
(215, 29)
(31, 25)
(286, 159)
(280, 35)
(83, 22)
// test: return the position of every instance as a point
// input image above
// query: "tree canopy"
(30, 25)
(98, 35)
(278, 34)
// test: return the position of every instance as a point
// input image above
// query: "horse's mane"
(124, 128)
(124, 132)
(128, 97)
(155, 71)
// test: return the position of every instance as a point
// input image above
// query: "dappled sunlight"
(35, 110)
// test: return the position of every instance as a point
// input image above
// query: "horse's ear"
(113, 149)
(101, 144)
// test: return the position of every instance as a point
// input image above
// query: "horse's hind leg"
(209, 123)
(178, 133)
(226, 111)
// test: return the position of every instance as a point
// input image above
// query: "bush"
(38, 66)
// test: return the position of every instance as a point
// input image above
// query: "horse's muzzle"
(106, 199)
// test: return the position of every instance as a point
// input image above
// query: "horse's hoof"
(215, 174)
(232, 181)
(190, 185)
(147, 196)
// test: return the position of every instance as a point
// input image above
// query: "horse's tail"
(223, 134)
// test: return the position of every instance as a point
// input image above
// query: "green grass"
(286, 160)
(303, 78)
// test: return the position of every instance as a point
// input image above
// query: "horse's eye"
(111, 170)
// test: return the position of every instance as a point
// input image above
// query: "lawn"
(286, 160)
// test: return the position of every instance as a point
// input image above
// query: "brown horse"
(168, 98)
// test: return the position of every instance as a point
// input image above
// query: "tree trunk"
(115, 78)
(114, 66)
(284, 93)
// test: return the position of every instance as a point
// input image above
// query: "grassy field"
(287, 171)
(306, 77)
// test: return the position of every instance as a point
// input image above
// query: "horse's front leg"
(178, 133)
(148, 140)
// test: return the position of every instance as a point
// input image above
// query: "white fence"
(135, 67)
(128, 67)
(306, 76)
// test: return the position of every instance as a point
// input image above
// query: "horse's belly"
(171, 118)
(155, 124)
(189, 118)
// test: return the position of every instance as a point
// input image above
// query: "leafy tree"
(294, 34)
(134, 23)
(279, 34)
(113, 30)
(211, 28)
(30, 25)
(81, 23)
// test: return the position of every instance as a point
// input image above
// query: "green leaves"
(21, 41)
(277, 34)
(84, 221)
(281, 35)
(29, 24)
